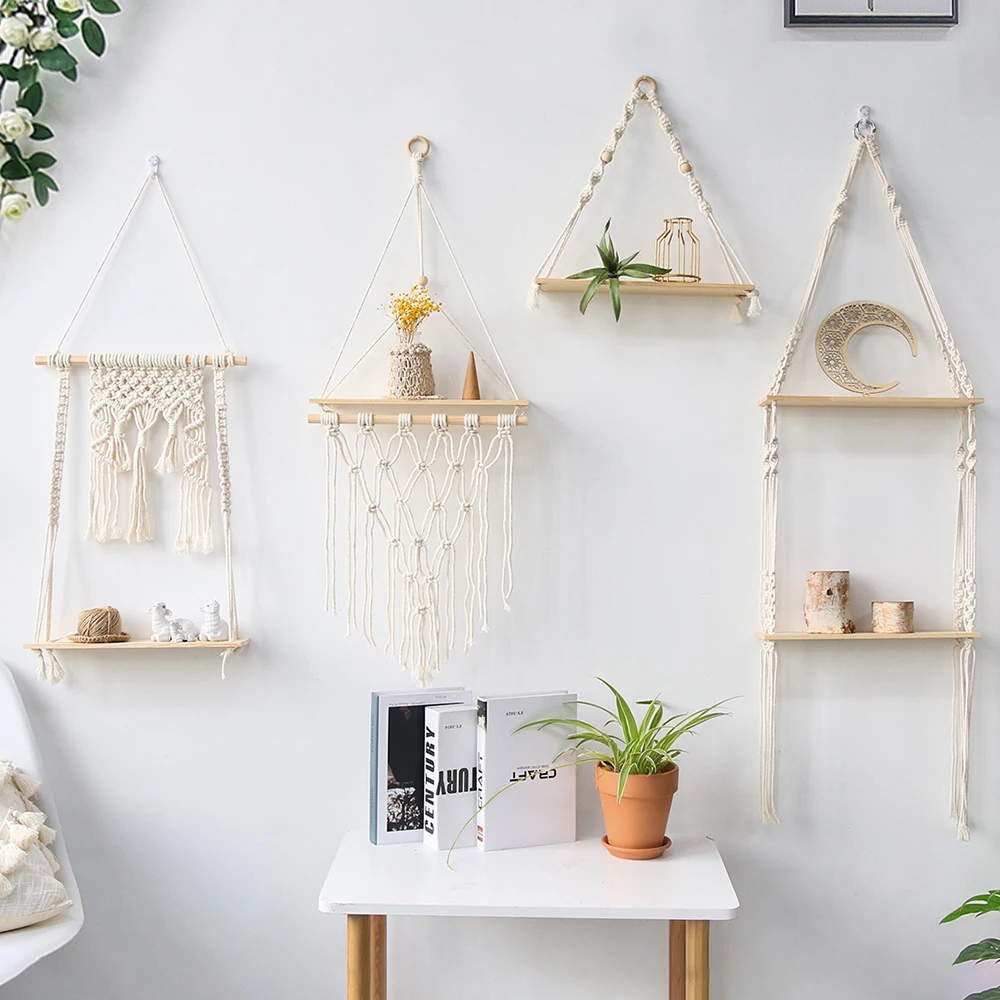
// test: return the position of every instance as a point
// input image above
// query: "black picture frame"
(793, 19)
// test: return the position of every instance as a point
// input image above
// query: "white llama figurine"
(213, 628)
(183, 630)
(161, 622)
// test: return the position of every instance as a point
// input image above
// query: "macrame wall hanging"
(740, 287)
(132, 396)
(832, 338)
(416, 480)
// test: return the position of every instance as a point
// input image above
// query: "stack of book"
(457, 771)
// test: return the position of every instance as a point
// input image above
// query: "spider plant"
(629, 742)
(985, 951)
(612, 270)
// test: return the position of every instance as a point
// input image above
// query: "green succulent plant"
(612, 270)
(983, 951)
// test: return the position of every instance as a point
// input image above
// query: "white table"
(688, 886)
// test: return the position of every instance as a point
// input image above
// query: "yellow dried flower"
(409, 309)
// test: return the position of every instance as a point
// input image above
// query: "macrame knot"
(355, 470)
(331, 419)
(384, 463)
(457, 466)
(467, 506)
(419, 542)
(437, 505)
(373, 508)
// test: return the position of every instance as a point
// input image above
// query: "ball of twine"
(99, 625)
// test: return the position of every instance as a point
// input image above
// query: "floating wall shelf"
(876, 402)
(135, 644)
(702, 289)
(836, 636)
(386, 411)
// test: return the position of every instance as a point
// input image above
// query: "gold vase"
(678, 249)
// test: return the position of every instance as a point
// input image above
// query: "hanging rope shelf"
(424, 500)
(130, 394)
(964, 402)
(740, 287)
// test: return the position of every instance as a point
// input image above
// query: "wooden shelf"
(385, 410)
(703, 289)
(836, 636)
(876, 402)
(79, 360)
(136, 644)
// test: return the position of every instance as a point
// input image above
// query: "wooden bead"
(422, 281)
(685, 167)
(606, 157)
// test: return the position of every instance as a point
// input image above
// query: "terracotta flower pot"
(636, 825)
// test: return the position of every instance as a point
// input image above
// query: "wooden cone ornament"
(471, 390)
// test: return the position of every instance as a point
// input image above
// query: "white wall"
(201, 815)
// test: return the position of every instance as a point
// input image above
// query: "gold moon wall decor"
(834, 336)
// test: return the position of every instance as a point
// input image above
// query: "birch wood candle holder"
(892, 616)
(827, 606)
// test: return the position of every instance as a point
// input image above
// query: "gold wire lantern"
(678, 249)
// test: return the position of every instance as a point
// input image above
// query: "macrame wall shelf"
(964, 403)
(740, 287)
(130, 394)
(419, 491)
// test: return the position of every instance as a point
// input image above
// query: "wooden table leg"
(358, 956)
(377, 988)
(696, 960)
(677, 960)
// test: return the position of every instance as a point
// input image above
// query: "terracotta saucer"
(636, 853)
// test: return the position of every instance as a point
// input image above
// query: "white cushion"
(29, 890)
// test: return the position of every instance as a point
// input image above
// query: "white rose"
(15, 124)
(15, 31)
(70, 6)
(44, 38)
(13, 206)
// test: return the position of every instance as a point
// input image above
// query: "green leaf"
(649, 268)
(591, 289)
(986, 902)
(589, 273)
(39, 161)
(45, 179)
(991, 994)
(27, 75)
(67, 28)
(8, 72)
(41, 190)
(32, 98)
(623, 778)
(625, 716)
(105, 6)
(616, 299)
(93, 36)
(14, 170)
(41, 132)
(70, 73)
(984, 951)
(57, 60)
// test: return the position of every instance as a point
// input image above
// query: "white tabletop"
(580, 880)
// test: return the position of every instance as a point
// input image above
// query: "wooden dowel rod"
(358, 956)
(379, 956)
(696, 960)
(489, 420)
(83, 359)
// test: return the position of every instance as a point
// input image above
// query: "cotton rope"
(737, 271)
(140, 389)
(426, 502)
(965, 543)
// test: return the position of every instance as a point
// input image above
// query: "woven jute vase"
(410, 372)
(637, 824)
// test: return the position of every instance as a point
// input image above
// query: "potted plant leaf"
(612, 270)
(987, 950)
(635, 770)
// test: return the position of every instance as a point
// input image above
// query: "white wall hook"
(154, 164)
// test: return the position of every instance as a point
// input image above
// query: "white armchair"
(20, 949)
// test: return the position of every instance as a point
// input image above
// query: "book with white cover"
(538, 805)
(450, 776)
(395, 804)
